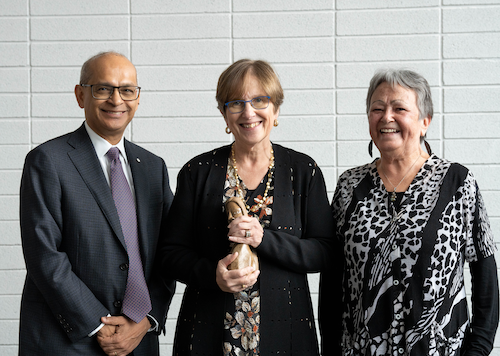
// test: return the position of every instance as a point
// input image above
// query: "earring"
(370, 148)
(276, 123)
(228, 130)
(428, 147)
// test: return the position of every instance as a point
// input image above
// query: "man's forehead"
(114, 65)
(113, 60)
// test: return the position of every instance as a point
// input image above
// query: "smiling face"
(109, 118)
(251, 127)
(394, 121)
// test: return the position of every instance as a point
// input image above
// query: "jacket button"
(124, 266)
(118, 303)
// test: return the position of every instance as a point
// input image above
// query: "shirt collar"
(102, 146)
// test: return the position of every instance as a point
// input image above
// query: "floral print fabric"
(244, 325)
(242, 319)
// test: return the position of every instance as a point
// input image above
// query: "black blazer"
(74, 249)
(298, 241)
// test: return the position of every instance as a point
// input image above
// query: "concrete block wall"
(325, 52)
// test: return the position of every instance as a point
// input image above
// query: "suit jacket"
(74, 249)
(298, 241)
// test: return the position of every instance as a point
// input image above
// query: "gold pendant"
(393, 196)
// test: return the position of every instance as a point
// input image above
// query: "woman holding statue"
(289, 226)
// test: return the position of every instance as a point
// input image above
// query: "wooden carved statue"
(246, 255)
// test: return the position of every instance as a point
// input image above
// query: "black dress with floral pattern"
(242, 319)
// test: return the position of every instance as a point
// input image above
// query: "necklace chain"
(393, 194)
(268, 183)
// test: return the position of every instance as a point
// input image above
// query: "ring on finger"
(248, 233)
(244, 286)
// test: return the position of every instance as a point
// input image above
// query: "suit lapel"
(86, 162)
(138, 166)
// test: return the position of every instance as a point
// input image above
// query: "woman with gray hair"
(408, 222)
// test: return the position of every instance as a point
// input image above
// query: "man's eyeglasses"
(258, 103)
(104, 92)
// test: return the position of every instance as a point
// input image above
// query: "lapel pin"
(138, 160)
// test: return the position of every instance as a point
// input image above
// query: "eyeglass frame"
(112, 92)
(248, 101)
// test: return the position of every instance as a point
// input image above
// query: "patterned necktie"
(136, 302)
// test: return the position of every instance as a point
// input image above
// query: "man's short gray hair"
(407, 79)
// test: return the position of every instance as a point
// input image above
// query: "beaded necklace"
(268, 183)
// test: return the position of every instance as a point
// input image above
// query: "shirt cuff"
(96, 330)
(153, 322)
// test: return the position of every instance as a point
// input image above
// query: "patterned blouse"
(404, 290)
(242, 323)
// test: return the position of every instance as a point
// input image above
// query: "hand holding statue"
(246, 255)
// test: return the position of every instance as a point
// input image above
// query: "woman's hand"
(246, 230)
(236, 280)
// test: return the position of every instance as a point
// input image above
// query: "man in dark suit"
(89, 290)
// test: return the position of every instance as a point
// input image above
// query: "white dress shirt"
(101, 147)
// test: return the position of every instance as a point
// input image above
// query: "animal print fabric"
(403, 283)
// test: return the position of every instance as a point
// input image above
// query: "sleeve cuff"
(96, 330)
(153, 322)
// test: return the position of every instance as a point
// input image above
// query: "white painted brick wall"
(296, 24)
(472, 71)
(13, 54)
(472, 99)
(306, 76)
(13, 29)
(14, 80)
(281, 5)
(325, 52)
(381, 22)
(458, 19)
(53, 80)
(73, 28)
(472, 45)
(387, 4)
(173, 6)
(472, 126)
(387, 48)
(208, 51)
(89, 7)
(285, 50)
(70, 53)
(357, 75)
(168, 27)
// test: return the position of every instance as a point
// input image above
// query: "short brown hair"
(231, 82)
